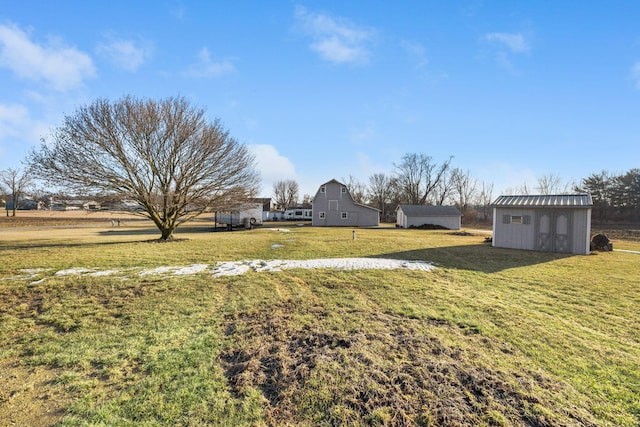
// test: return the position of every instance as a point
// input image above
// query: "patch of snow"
(236, 268)
(73, 272)
(192, 269)
(277, 245)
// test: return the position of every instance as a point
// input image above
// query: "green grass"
(491, 337)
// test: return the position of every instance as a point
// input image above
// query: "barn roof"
(545, 201)
(429, 210)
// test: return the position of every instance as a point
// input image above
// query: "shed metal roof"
(429, 210)
(545, 201)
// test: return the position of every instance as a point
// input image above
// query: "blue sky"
(514, 90)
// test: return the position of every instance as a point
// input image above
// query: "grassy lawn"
(490, 337)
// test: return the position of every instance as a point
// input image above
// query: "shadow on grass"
(480, 257)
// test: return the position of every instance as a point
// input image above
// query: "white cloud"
(272, 165)
(416, 52)
(11, 118)
(128, 55)
(208, 68)
(516, 43)
(336, 40)
(18, 132)
(60, 66)
(635, 74)
(364, 134)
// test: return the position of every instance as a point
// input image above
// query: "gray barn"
(333, 206)
(417, 215)
(551, 223)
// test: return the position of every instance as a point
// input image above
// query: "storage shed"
(551, 223)
(419, 215)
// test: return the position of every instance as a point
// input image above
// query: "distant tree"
(379, 191)
(625, 194)
(518, 190)
(465, 188)
(15, 183)
(164, 155)
(444, 189)
(307, 200)
(553, 184)
(285, 193)
(418, 175)
(601, 188)
(357, 189)
(485, 198)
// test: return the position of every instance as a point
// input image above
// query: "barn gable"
(334, 206)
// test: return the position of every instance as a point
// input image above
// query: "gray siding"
(513, 235)
(575, 225)
(338, 208)
(418, 215)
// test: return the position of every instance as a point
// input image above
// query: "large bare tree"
(418, 175)
(285, 193)
(465, 188)
(357, 189)
(15, 182)
(164, 155)
(380, 191)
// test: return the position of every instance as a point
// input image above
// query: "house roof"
(429, 210)
(544, 201)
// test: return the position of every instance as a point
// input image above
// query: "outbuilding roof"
(545, 201)
(429, 210)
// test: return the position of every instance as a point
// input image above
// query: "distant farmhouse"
(551, 223)
(423, 215)
(333, 206)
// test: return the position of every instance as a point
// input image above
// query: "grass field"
(489, 337)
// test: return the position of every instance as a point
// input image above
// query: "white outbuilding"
(550, 223)
(425, 215)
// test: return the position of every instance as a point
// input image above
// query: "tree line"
(174, 164)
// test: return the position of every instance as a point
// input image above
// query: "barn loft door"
(553, 231)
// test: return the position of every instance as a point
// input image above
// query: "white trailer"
(247, 216)
(297, 214)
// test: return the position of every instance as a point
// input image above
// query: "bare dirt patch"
(27, 398)
(392, 371)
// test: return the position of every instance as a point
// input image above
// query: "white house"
(419, 215)
(551, 223)
(333, 206)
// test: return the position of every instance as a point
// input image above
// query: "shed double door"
(553, 231)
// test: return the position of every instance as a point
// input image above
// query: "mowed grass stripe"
(491, 337)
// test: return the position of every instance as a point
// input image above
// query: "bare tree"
(357, 189)
(164, 155)
(444, 189)
(418, 175)
(485, 197)
(285, 193)
(465, 188)
(15, 181)
(379, 191)
(549, 184)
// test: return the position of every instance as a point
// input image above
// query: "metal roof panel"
(544, 201)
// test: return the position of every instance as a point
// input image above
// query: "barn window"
(321, 215)
(516, 219)
(323, 189)
(343, 215)
(343, 189)
(506, 219)
(526, 219)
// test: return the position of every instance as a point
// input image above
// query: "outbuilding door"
(553, 230)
